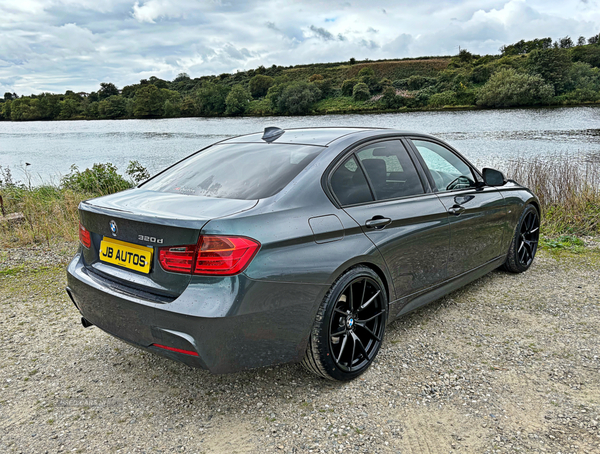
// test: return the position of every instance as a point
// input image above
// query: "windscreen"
(236, 171)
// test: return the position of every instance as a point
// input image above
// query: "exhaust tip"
(86, 323)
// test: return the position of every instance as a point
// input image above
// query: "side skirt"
(416, 300)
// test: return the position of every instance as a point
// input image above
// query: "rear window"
(236, 171)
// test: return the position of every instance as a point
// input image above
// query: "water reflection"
(485, 137)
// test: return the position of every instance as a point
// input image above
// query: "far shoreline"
(331, 112)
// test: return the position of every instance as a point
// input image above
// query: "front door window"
(449, 172)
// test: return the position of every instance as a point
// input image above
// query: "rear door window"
(349, 184)
(236, 171)
(391, 172)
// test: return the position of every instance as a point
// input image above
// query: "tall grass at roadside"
(50, 211)
(569, 192)
(50, 215)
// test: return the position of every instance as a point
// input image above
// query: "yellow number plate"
(127, 255)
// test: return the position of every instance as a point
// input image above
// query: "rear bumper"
(232, 323)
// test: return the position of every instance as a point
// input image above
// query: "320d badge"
(295, 245)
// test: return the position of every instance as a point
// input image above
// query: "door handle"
(456, 209)
(377, 222)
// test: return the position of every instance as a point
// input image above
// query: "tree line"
(526, 73)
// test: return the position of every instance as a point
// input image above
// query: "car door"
(380, 188)
(477, 213)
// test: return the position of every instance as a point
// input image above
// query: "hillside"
(528, 73)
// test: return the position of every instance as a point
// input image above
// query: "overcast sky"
(55, 45)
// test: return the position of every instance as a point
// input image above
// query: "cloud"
(55, 45)
(399, 47)
(152, 10)
(369, 44)
(321, 33)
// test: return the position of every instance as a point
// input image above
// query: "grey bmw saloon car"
(294, 246)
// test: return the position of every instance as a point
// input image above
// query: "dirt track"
(510, 363)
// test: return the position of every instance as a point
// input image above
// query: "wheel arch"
(377, 269)
(382, 276)
(537, 206)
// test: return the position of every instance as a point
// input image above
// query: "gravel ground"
(508, 364)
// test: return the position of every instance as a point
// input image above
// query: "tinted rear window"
(236, 171)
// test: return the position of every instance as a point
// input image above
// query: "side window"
(349, 184)
(448, 171)
(390, 170)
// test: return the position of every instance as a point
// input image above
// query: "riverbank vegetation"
(50, 211)
(527, 73)
(568, 189)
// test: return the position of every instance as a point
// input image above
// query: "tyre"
(349, 326)
(525, 241)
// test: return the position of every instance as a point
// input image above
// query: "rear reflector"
(84, 236)
(178, 350)
(213, 255)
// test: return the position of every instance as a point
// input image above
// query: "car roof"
(304, 136)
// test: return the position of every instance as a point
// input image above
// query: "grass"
(568, 188)
(50, 215)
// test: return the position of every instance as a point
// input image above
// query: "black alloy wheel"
(529, 236)
(525, 241)
(350, 326)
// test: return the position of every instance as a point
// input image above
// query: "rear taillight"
(214, 255)
(224, 255)
(178, 259)
(84, 236)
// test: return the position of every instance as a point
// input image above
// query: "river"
(487, 138)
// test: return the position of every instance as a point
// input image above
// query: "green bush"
(171, 109)
(361, 92)
(69, 108)
(552, 65)
(298, 98)
(577, 96)
(260, 107)
(274, 93)
(137, 172)
(149, 101)
(348, 86)
(211, 98)
(112, 107)
(366, 71)
(400, 84)
(507, 88)
(583, 76)
(445, 98)
(259, 85)
(101, 179)
(421, 97)
(237, 100)
(417, 82)
(367, 76)
(325, 86)
(390, 100)
(587, 54)
(189, 108)
(465, 96)
(481, 74)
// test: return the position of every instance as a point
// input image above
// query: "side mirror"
(492, 177)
